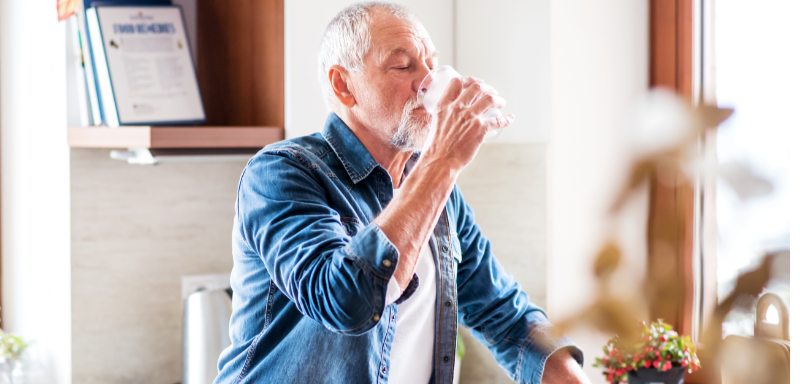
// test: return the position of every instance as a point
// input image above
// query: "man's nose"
(420, 78)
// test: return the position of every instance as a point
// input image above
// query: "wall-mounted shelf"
(173, 137)
(241, 76)
(151, 145)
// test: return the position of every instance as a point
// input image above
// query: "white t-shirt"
(411, 357)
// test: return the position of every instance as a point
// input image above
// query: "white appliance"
(206, 316)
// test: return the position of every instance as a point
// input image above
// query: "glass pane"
(755, 43)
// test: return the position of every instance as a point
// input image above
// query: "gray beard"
(412, 130)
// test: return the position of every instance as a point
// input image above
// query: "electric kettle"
(206, 315)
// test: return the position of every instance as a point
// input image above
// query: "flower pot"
(656, 376)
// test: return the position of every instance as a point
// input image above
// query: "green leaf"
(12, 347)
(461, 349)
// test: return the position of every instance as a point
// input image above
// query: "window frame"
(681, 60)
(671, 67)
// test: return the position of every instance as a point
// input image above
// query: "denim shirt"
(311, 270)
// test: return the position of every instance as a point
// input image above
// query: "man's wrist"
(562, 367)
(438, 168)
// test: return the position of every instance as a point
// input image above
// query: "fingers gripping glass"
(433, 87)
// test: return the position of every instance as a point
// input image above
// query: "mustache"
(413, 103)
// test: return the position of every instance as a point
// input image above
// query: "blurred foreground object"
(765, 357)
(11, 366)
(663, 134)
(66, 8)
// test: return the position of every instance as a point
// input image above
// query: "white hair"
(348, 39)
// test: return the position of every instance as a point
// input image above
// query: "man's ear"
(338, 78)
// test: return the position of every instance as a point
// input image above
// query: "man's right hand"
(457, 132)
(458, 127)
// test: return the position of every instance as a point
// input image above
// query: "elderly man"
(355, 255)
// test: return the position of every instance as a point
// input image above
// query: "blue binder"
(114, 120)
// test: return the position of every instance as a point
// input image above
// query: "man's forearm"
(408, 221)
(451, 144)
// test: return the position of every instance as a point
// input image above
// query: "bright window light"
(756, 74)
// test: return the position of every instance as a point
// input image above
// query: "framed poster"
(144, 65)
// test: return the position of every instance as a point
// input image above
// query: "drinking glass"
(433, 87)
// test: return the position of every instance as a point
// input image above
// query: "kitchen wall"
(135, 231)
(505, 186)
(599, 62)
(507, 44)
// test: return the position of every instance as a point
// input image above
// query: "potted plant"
(11, 349)
(661, 356)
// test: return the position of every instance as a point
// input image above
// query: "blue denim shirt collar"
(355, 157)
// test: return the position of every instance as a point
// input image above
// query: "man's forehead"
(392, 35)
(398, 50)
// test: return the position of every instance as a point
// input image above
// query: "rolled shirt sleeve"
(396, 295)
(531, 338)
(393, 291)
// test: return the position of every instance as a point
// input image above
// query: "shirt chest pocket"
(351, 225)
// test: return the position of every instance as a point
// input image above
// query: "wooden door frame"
(671, 68)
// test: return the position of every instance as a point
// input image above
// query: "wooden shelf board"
(172, 137)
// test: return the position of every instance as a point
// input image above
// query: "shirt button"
(383, 369)
(392, 317)
(446, 359)
(387, 263)
(448, 304)
(445, 248)
(376, 317)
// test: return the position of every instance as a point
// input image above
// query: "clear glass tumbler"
(432, 90)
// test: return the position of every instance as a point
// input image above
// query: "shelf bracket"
(153, 156)
(141, 156)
